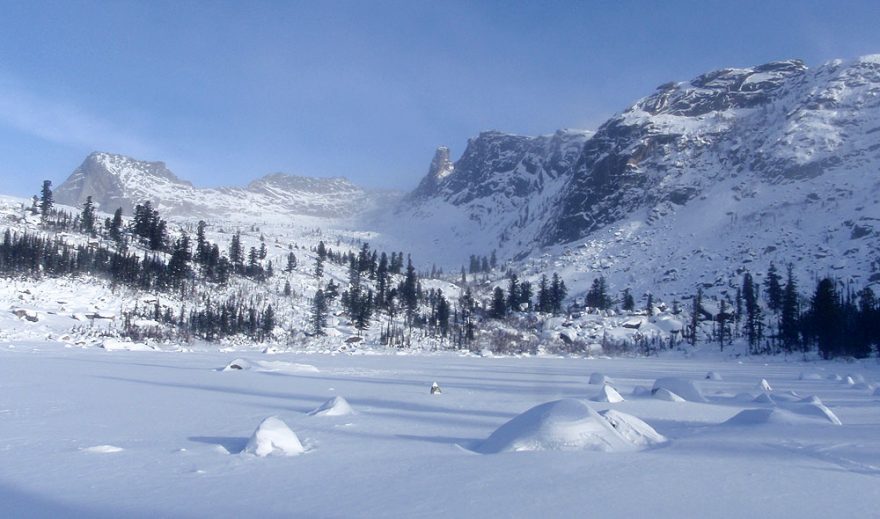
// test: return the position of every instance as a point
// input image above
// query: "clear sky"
(225, 92)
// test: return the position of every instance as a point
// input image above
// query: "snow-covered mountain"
(118, 181)
(777, 162)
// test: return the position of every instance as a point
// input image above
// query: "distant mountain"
(118, 181)
(776, 162)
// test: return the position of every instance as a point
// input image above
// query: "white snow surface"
(273, 438)
(179, 423)
(336, 406)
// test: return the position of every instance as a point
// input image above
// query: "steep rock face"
(778, 122)
(118, 181)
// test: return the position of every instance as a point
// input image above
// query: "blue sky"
(225, 92)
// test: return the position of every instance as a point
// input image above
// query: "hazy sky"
(225, 92)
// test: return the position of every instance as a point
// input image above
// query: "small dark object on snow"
(235, 366)
(435, 389)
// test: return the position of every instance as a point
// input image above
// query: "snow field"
(181, 424)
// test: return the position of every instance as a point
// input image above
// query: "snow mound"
(599, 378)
(117, 345)
(797, 414)
(684, 388)
(787, 396)
(848, 381)
(713, 375)
(237, 365)
(286, 367)
(763, 385)
(810, 376)
(273, 437)
(641, 391)
(811, 399)
(834, 377)
(633, 429)
(764, 398)
(608, 394)
(856, 378)
(661, 393)
(569, 425)
(336, 406)
(102, 449)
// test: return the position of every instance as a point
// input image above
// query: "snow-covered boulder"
(713, 375)
(661, 393)
(763, 385)
(684, 388)
(238, 365)
(848, 381)
(633, 429)
(26, 314)
(273, 438)
(336, 406)
(793, 415)
(118, 345)
(599, 378)
(764, 398)
(568, 425)
(608, 394)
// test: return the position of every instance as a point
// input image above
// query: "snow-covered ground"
(90, 432)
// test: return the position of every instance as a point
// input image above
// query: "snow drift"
(570, 425)
(273, 438)
(684, 388)
(336, 406)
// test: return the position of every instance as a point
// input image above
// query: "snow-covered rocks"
(26, 314)
(120, 345)
(805, 413)
(713, 375)
(570, 425)
(336, 406)
(661, 393)
(599, 378)
(681, 387)
(273, 438)
(607, 394)
(435, 389)
(763, 385)
(237, 365)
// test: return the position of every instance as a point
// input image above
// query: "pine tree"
(409, 293)
(544, 295)
(695, 315)
(319, 266)
(115, 230)
(202, 247)
(47, 200)
(287, 290)
(319, 313)
(291, 262)
(629, 303)
(825, 319)
(597, 296)
(753, 313)
(87, 218)
(525, 295)
(322, 250)
(789, 327)
(493, 260)
(513, 293)
(499, 307)
(774, 289)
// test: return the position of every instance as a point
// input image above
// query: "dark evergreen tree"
(525, 295)
(753, 313)
(513, 294)
(291, 262)
(87, 217)
(47, 199)
(597, 296)
(773, 287)
(825, 319)
(629, 303)
(319, 313)
(696, 310)
(499, 306)
(115, 230)
(789, 320)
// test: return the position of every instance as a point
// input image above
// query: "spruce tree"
(774, 289)
(47, 200)
(87, 217)
(115, 230)
(789, 326)
(825, 319)
(629, 303)
(499, 306)
(513, 293)
(319, 313)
